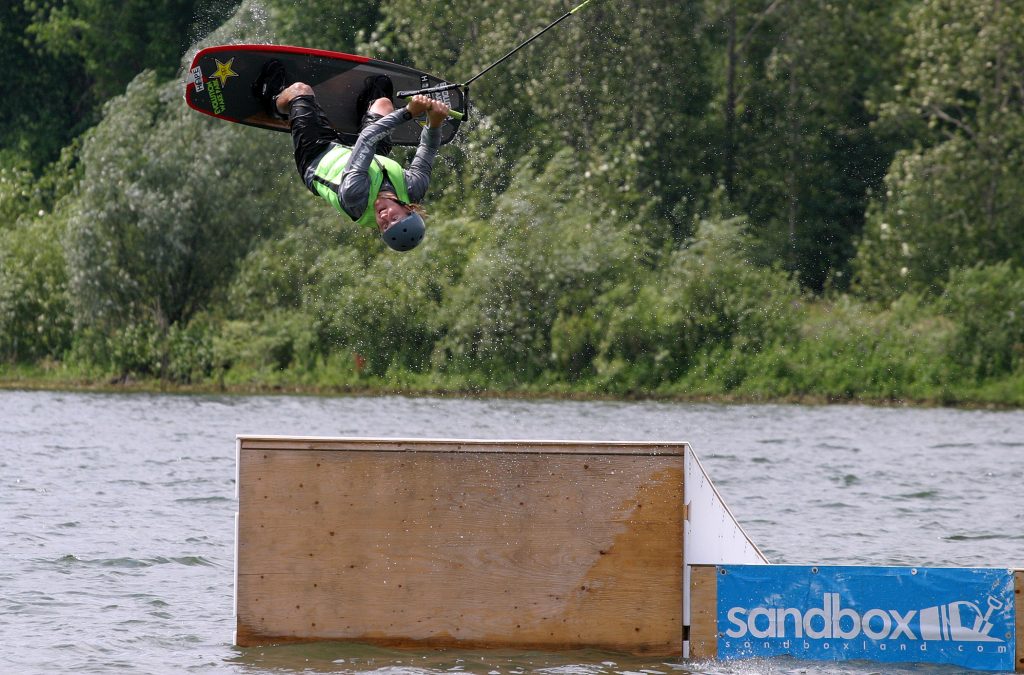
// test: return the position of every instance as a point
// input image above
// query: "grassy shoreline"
(46, 379)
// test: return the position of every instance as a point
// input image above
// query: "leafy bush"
(847, 349)
(953, 195)
(277, 270)
(986, 304)
(35, 321)
(141, 350)
(547, 258)
(164, 210)
(273, 342)
(706, 297)
(376, 310)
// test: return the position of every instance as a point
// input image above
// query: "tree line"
(755, 198)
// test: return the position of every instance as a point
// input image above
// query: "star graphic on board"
(224, 71)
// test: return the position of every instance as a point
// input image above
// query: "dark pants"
(312, 133)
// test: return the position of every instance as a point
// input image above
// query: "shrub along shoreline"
(994, 397)
(786, 383)
(701, 326)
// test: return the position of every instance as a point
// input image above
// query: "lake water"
(117, 513)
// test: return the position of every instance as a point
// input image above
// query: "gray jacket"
(355, 181)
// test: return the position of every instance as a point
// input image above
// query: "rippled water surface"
(116, 513)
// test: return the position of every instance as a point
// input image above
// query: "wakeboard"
(219, 84)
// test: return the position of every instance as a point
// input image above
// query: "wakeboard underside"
(220, 82)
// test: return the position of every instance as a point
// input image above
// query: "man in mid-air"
(369, 188)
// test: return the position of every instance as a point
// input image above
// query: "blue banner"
(961, 616)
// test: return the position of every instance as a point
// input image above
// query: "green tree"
(706, 297)
(35, 321)
(166, 209)
(49, 100)
(66, 57)
(621, 84)
(953, 199)
(986, 304)
(544, 261)
(324, 24)
(798, 153)
(114, 42)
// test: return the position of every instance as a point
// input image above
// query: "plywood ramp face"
(704, 612)
(438, 544)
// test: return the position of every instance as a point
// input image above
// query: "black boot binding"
(376, 86)
(271, 81)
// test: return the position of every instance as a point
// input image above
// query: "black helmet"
(405, 234)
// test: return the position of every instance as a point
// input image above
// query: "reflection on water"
(116, 513)
(346, 658)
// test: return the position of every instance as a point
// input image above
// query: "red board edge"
(284, 49)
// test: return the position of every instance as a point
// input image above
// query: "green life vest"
(327, 180)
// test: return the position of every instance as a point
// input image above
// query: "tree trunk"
(729, 177)
(793, 133)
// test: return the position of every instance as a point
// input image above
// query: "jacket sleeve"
(354, 192)
(417, 176)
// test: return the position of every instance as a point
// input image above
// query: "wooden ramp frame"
(435, 543)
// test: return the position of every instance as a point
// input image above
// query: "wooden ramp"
(477, 544)
(626, 547)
